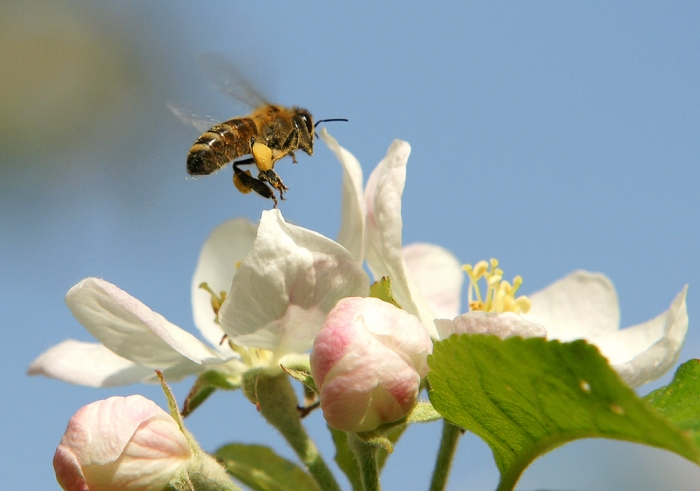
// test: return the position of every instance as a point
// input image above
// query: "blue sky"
(553, 136)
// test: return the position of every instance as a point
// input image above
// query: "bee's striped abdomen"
(220, 145)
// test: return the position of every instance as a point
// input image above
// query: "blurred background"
(553, 136)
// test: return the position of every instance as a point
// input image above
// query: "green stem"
(448, 445)
(205, 474)
(278, 404)
(366, 455)
(508, 481)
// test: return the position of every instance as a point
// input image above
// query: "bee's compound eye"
(307, 121)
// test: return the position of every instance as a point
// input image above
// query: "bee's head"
(305, 123)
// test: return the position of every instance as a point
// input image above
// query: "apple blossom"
(375, 214)
(352, 226)
(120, 443)
(367, 362)
(286, 286)
(496, 312)
(426, 281)
(584, 305)
(134, 340)
(279, 281)
(217, 265)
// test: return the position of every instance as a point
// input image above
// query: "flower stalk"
(445, 456)
(277, 403)
(366, 454)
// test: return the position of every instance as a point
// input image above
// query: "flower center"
(500, 295)
(250, 356)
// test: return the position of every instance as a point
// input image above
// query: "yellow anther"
(523, 304)
(494, 280)
(481, 268)
(500, 294)
(517, 281)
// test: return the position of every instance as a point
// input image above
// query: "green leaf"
(525, 397)
(261, 469)
(382, 290)
(679, 401)
(204, 386)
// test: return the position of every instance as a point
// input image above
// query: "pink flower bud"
(367, 362)
(125, 443)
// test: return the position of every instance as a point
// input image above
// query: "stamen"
(252, 357)
(500, 294)
(216, 300)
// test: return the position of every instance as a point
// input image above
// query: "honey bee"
(263, 137)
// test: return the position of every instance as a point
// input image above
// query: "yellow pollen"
(500, 294)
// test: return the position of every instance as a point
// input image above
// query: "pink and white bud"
(367, 362)
(120, 443)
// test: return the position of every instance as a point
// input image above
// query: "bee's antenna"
(327, 120)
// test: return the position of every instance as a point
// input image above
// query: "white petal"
(580, 305)
(645, 352)
(226, 247)
(88, 364)
(504, 325)
(383, 233)
(352, 225)
(438, 276)
(156, 452)
(284, 289)
(131, 330)
(384, 224)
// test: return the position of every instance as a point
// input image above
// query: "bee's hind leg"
(245, 182)
(265, 161)
(274, 180)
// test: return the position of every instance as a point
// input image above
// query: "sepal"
(382, 290)
(204, 386)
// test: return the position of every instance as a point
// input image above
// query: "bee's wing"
(225, 78)
(202, 123)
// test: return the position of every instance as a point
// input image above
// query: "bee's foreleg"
(245, 182)
(292, 143)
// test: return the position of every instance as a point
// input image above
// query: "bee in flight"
(266, 135)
